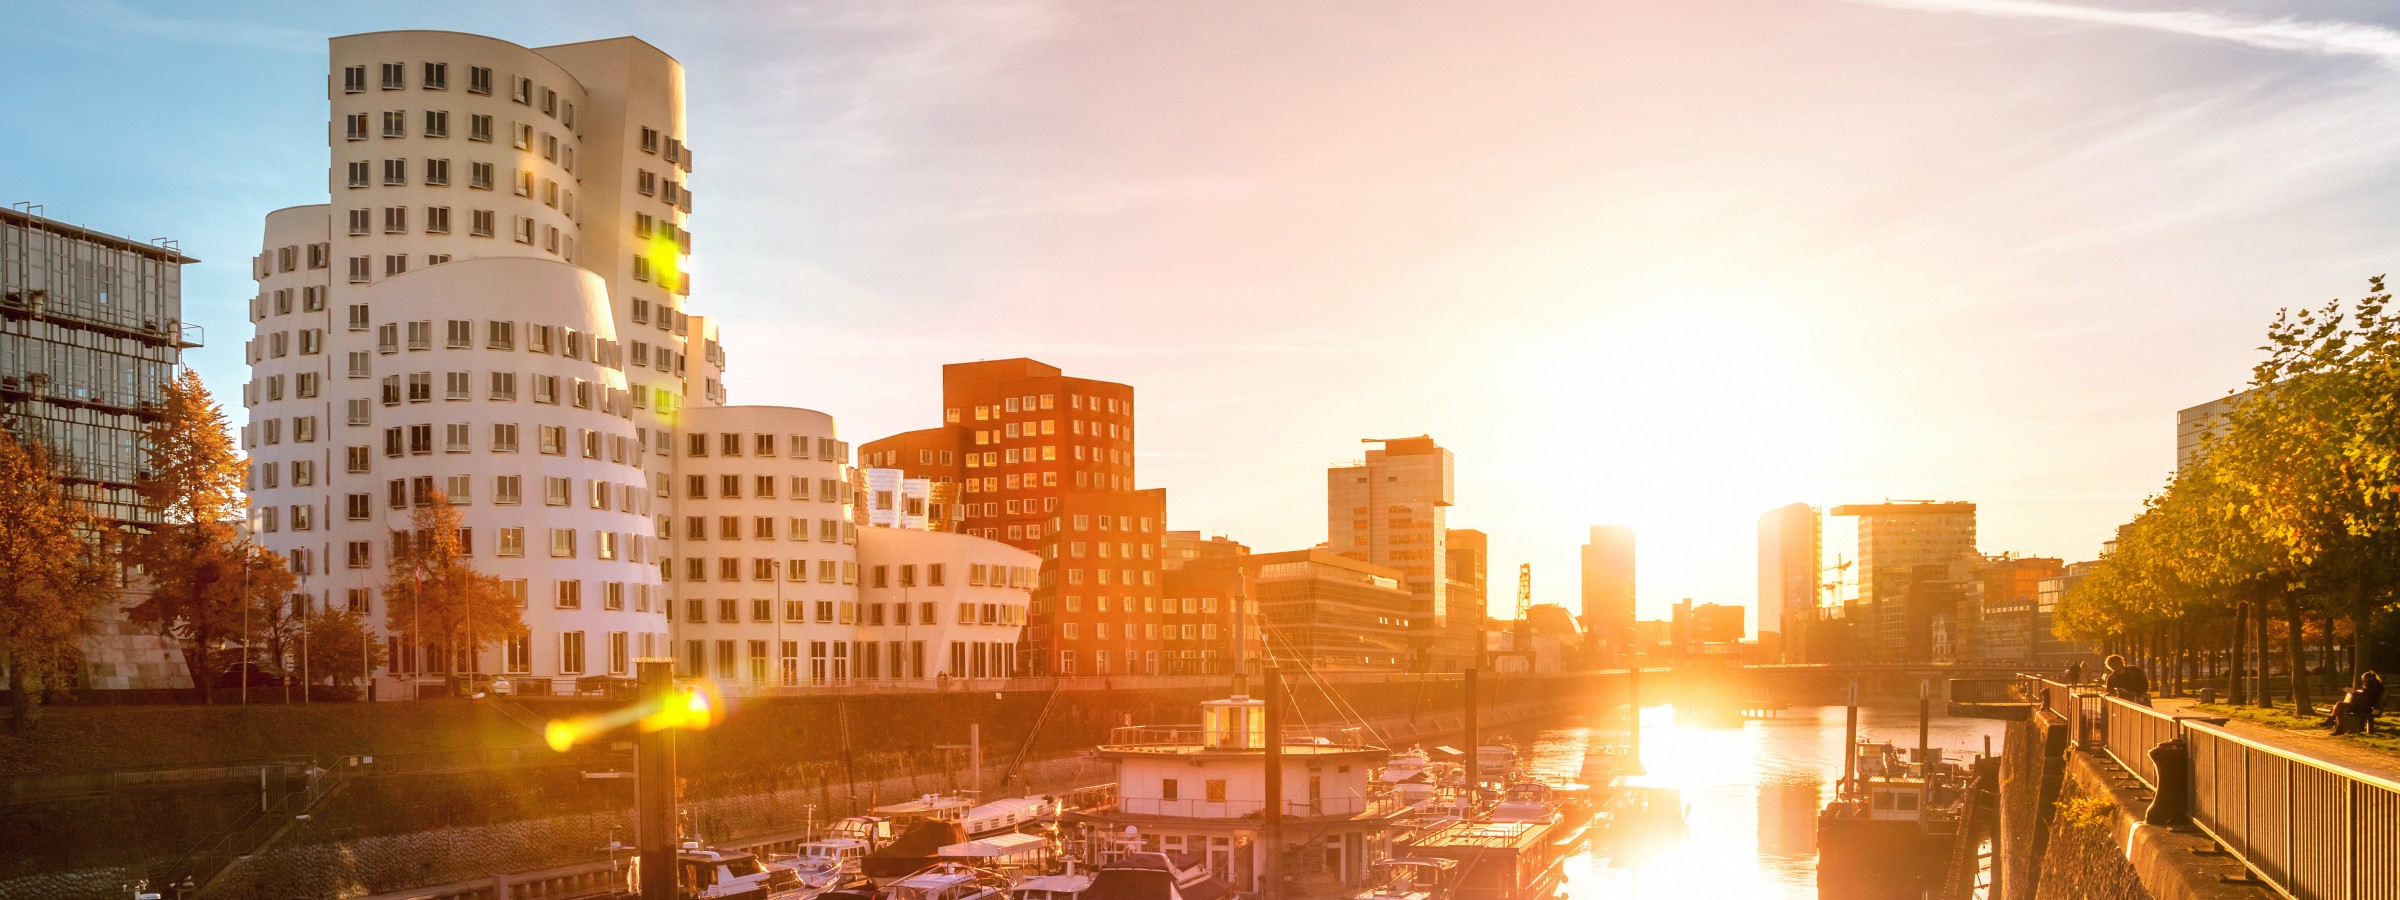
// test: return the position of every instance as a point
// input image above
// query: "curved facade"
(499, 285)
(766, 549)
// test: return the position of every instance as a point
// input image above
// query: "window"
(395, 172)
(395, 123)
(504, 388)
(437, 174)
(479, 176)
(562, 543)
(479, 80)
(570, 643)
(354, 79)
(437, 76)
(357, 172)
(524, 230)
(354, 126)
(505, 490)
(481, 226)
(395, 76)
(520, 89)
(556, 490)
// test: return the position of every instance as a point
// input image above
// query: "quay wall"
(459, 785)
(2071, 828)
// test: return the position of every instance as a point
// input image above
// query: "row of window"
(729, 443)
(479, 128)
(845, 612)
(1146, 631)
(1033, 403)
(846, 660)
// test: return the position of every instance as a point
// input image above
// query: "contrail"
(2326, 38)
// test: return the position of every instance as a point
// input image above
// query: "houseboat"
(1411, 878)
(1201, 791)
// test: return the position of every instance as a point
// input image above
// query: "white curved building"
(493, 305)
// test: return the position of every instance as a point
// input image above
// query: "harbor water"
(1752, 789)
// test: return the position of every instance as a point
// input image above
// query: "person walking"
(2126, 681)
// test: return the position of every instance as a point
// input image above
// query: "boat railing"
(1195, 737)
(1201, 808)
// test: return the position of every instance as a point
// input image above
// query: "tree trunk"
(2259, 637)
(2295, 653)
(2362, 615)
(20, 696)
(2235, 692)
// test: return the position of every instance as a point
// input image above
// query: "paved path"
(2316, 744)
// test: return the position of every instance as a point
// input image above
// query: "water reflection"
(1752, 791)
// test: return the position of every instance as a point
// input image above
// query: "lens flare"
(691, 707)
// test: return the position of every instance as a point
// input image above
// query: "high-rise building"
(1390, 509)
(91, 329)
(2195, 426)
(1791, 553)
(1897, 541)
(526, 205)
(1044, 463)
(1469, 571)
(1608, 595)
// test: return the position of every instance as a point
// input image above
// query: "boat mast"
(1272, 816)
(1849, 742)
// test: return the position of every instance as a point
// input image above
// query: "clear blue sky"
(1669, 264)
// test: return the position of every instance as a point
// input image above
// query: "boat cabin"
(936, 807)
(1004, 853)
(948, 881)
(1411, 878)
(1050, 887)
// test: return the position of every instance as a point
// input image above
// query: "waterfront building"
(1791, 554)
(2195, 426)
(2002, 620)
(1390, 509)
(2050, 650)
(1896, 540)
(1199, 790)
(1324, 610)
(1212, 616)
(1469, 572)
(91, 329)
(1044, 462)
(492, 307)
(1608, 588)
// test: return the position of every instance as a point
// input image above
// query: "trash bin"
(2172, 807)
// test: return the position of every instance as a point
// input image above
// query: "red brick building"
(1044, 462)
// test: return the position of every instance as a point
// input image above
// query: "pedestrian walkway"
(2320, 745)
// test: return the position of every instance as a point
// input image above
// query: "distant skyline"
(1663, 265)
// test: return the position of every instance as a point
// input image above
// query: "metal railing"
(2312, 829)
(2128, 731)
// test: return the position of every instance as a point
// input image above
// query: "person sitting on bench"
(2359, 706)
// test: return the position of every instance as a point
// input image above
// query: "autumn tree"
(340, 645)
(433, 589)
(56, 565)
(194, 558)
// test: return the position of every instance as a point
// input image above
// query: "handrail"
(2295, 756)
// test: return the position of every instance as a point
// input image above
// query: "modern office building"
(1608, 596)
(2001, 621)
(1896, 542)
(1211, 617)
(2195, 426)
(894, 500)
(1469, 572)
(1791, 555)
(1044, 462)
(1186, 546)
(493, 307)
(1391, 509)
(1322, 610)
(91, 329)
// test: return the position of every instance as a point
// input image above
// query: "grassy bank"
(2386, 737)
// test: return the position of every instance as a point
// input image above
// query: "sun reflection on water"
(1751, 790)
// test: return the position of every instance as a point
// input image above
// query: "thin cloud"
(2325, 38)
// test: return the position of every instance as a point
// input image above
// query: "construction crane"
(1841, 573)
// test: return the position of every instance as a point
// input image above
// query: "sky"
(1661, 264)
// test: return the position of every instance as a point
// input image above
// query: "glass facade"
(91, 325)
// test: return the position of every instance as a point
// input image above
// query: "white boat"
(1495, 762)
(1050, 887)
(936, 807)
(1004, 853)
(825, 864)
(1009, 814)
(703, 873)
(948, 881)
